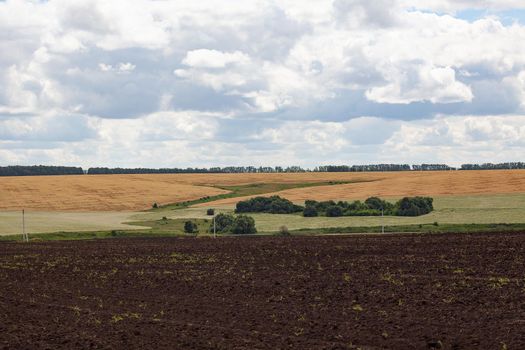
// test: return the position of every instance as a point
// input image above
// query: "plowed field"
(371, 292)
(137, 192)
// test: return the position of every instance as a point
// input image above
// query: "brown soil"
(457, 291)
(137, 192)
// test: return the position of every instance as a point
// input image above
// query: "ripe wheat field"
(138, 192)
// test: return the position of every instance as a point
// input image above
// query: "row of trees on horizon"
(22, 170)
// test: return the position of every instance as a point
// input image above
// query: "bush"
(273, 205)
(357, 206)
(363, 212)
(227, 223)
(223, 223)
(374, 203)
(190, 227)
(210, 212)
(378, 204)
(310, 203)
(409, 209)
(155, 205)
(343, 205)
(323, 206)
(334, 211)
(414, 206)
(243, 224)
(310, 212)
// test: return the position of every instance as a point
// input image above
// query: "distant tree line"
(277, 169)
(431, 167)
(19, 170)
(22, 170)
(358, 168)
(226, 170)
(490, 166)
(373, 206)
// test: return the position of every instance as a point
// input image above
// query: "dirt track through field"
(138, 192)
(457, 291)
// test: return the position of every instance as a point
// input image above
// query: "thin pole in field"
(214, 232)
(24, 234)
(382, 221)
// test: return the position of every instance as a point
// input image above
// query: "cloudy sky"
(216, 83)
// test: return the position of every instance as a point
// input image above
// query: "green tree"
(223, 223)
(310, 211)
(414, 206)
(334, 211)
(375, 203)
(244, 225)
(190, 227)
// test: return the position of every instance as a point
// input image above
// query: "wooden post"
(25, 237)
(382, 221)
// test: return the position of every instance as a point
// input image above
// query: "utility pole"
(25, 237)
(382, 221)
(214, 232)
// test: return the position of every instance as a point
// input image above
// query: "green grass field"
(47, 222)
(495, 209)
(451, 213)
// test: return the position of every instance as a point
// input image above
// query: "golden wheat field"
(396, 184)
(137, 192)
(96, 192)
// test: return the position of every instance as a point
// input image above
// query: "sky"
(138, 83)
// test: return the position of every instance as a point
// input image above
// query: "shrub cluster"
(408, 206)
(190, 227)
(414, 206)
(373, 206)
(273, 205)
(240, 224)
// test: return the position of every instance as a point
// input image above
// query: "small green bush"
(243, 224)
(190, 227)
(210, 212)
